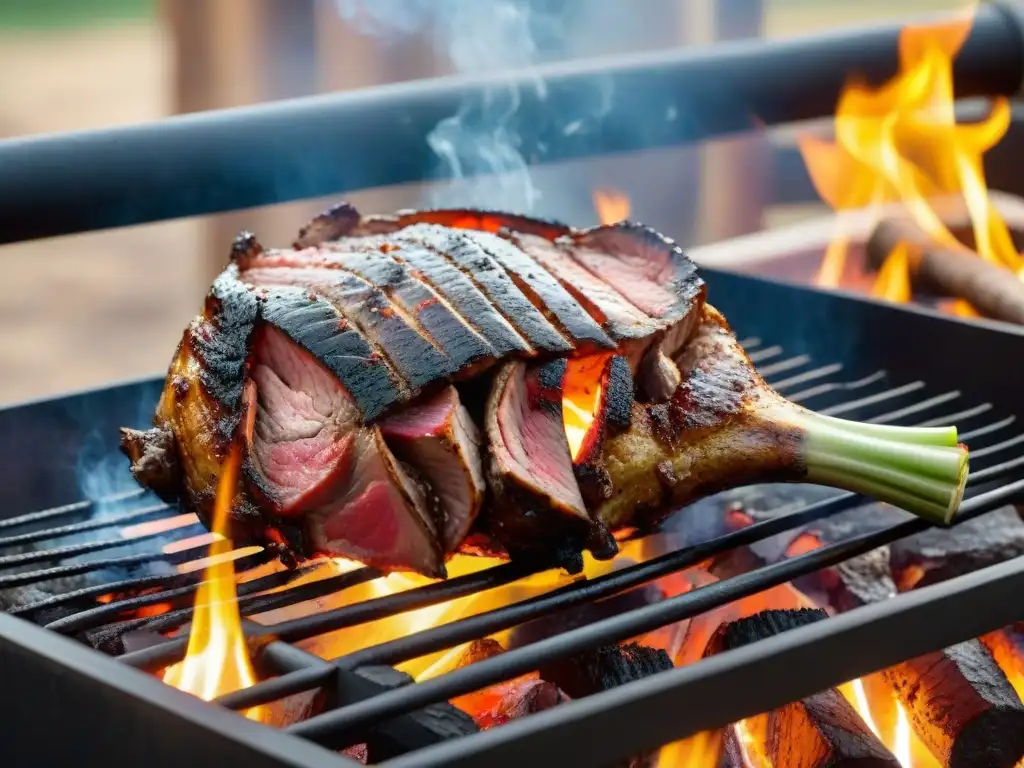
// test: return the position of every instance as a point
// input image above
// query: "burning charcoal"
(1007, 647)
(850, 584)
(939, 554)
(818, 731)
(605, 668)
(358, 753)
(962, 706)
(501, 703)
(478, 650)
(947, 271)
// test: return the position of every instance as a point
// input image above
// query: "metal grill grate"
(997, 478)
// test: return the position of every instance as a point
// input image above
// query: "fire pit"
(775, 625)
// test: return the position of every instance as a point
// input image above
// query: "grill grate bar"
(916, 408)
(959, 417)
(74, 550)
(765, 354)
(836, 386)
(127, 561)
(95, 617)
(880, 397)
(335, 728)
(802, 378)
(784, 365)
(66, 510)
(89, 525)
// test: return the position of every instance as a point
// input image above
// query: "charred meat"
(410, 386)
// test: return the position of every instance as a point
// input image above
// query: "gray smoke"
(480, 146)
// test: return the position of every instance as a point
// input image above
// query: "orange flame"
(901, 143)
(217, 660)
(611, 205)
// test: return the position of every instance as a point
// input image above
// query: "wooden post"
(737, 170)
(235, 52)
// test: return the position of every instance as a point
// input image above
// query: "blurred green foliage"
(50, 14)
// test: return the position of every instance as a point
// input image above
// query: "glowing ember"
(611, 205)
(217, 661)
(900, 143)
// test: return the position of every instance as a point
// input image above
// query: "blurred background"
(80, 311)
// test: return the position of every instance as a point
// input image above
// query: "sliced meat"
(336, 221)
(547, 294)
(492, 279)
(451, 333)
(597, 403)
(650, 270)
(379, 515)
(537, 503)
(316, 325)
(440, 441)
(415, 358)
(305, 425)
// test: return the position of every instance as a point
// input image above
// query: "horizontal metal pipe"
(287, 150)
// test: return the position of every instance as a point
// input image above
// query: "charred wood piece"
(938, 555)
(818, 731)
(962, 706)
(948, 270)
(605, 668)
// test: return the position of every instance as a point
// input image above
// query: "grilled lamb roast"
(405, 387)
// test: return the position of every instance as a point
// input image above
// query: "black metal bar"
(47, 673)
(336, 727)
(65, 510)
(114, 521)
(96, 616)
(159, 656)
(662, 708)
(271, 153)
(84, 548)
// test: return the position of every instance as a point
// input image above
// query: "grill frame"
(821, 326)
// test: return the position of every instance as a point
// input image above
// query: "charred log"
(937, 555)
(818, 731)
(962, 706)
(605, 668)
(948, 270)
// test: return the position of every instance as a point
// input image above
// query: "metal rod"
(88, 525)
(334, 728)
(66, 510)
(84, 548)
(287, 150)
(826, 653)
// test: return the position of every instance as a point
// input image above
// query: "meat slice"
(439, 439)
(451, 333)
(647, 268)
(537, 503)
(547, 294)
(462, 218)
(492, 279)
(379, 515)
(304, 427)
(416, 359)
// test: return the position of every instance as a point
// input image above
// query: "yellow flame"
(217, 660)
(611, 205)
(900, 142)
(901, 746)
(702, 750)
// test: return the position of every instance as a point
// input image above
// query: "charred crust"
(222, 340)
(619, 395)
(154, 460)
(257, 486)
(551, 375)
(337, 221)
(245, 246)
(594, 482)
